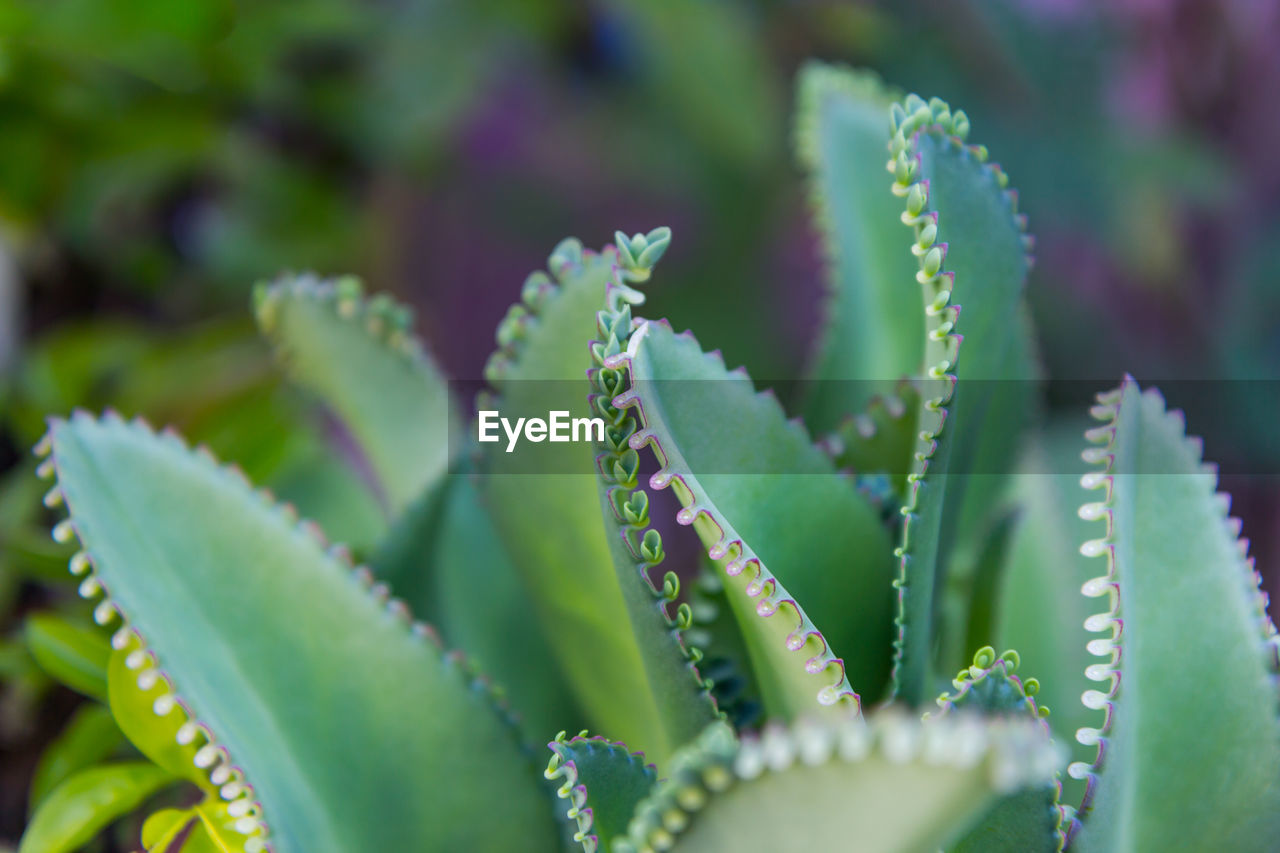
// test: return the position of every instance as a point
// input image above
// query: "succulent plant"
(793, 693)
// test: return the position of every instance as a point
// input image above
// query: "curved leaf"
(481, 604)
(1038, 608)
(602, 783)
(74, 655)
(971, 250)
(1191, 739)
(804, 557)
(89, 737)
(544, 501)
(681, 702)
(890, 784)
(362, 360)
(304, 686)
(873, 333)
(85, 804)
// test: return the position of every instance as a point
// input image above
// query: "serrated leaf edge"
(562, 767)
(222, 773)
(771, 596)
(907, 121)
(1108, 622)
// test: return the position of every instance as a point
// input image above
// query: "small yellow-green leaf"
(90, 737)
(161, 828)
(153, 735)
(89, 801)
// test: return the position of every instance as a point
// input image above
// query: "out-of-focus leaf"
(74, 655)
(90, 736)
(84, 804)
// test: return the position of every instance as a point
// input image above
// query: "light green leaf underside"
(74, 655)
(1198, 690)
(986, 259)
(544, 502)
(314, 686)
(874, 318)
(892, 785)
(361, 359)
(1039, 610)
(601, 783)
(89, 737)
(746, 475)
(480, 603)
(85, 804)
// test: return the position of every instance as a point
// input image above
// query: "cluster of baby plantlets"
(783, 698)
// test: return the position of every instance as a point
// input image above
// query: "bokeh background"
(158, 157)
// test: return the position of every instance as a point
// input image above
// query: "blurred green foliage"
(157, 157)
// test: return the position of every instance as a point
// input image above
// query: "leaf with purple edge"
(803, 556)
(969, 242)
(1190, 731)
(547, 508)
(602, 782)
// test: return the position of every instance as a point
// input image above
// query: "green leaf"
(161, 828)
(1039, 610)
(544, 502)
(1025, 822)
(89, 737)
(308, 686)
(481, 604)
(890, 784)
(680, 697)
(873, 332)
(360, 357)
(804, 557)
(968, 238)
(880, 438)
(85, 804)
(602, 783)
(1179, 578)
(72, 654)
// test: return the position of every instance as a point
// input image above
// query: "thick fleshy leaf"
(804, 557)
(544, 501)
(361, 358)
(85, 804)
(1190, 733)
(480, 603)
(601, 783)
(299, 681)
(1038, 609)
(89, 737)
(873, 331)
(889, 784)
(968, 238)
(682, 704)
(73, 654)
